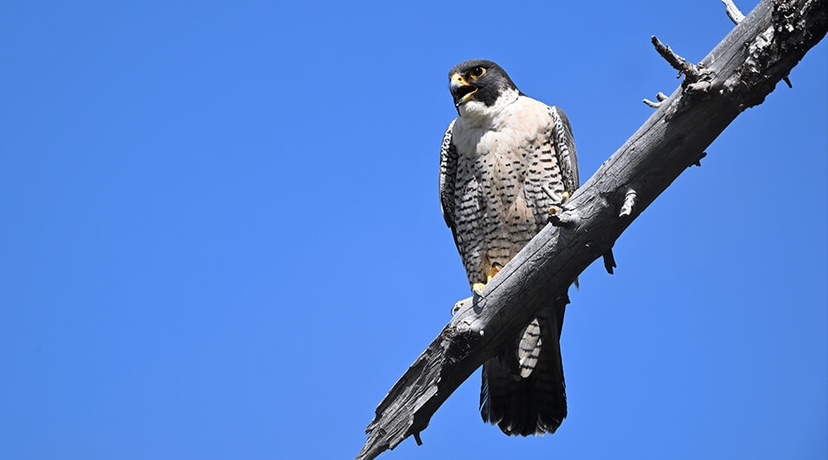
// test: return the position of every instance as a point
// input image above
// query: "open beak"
(461, 90)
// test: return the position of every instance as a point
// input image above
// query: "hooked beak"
(461, 89)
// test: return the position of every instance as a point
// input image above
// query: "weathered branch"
(733, 12)
(741, 71)
(661, 98)
(692, 72)
(736, 16)
(629, 204)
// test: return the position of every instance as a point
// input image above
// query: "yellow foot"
(477, 287)
(496, 266)
(460, 304)
(555, 209)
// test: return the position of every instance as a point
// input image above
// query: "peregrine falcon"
(506, 162)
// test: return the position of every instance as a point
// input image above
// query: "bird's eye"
(477, 72)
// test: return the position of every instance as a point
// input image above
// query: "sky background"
(220, 235)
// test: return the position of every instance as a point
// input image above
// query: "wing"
(565, 149)
(448, 176)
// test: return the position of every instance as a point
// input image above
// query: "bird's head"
(478, 80)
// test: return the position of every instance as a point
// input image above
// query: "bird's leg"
(560, 217)
(495, 268)
(557, 199)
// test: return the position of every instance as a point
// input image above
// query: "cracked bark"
(739, 73)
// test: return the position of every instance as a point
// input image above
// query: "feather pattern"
(502, 168)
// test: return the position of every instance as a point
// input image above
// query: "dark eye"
(477, 72)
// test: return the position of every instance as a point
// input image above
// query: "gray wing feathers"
(565, 148)
(448, 173)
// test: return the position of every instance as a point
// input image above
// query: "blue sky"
(220, 236)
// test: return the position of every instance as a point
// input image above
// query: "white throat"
(475, 112)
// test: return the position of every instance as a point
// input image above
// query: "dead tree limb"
(733, 11)
(739, 73)
(736, 16)
(692, 72)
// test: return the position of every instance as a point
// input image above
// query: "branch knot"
(697, 78)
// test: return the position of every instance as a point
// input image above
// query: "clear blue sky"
(220, 236)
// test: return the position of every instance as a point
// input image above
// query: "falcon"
(506, 162)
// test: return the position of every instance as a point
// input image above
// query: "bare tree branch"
(661, 98)
(693, 73)
(733, 11)
(736, 16)
(739, 73)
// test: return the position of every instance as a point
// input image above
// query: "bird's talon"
(477, 287)
(496, 266)
(461, 304)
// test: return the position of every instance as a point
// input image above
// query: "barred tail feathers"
(523, 389)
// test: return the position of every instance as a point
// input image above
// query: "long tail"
(523, 389)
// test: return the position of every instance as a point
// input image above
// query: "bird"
(506, 162)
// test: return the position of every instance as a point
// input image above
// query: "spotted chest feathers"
(504, 163)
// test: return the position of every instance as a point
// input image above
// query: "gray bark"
(739, 73)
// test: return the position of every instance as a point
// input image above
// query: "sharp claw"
(460, 304)
(496, 266)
